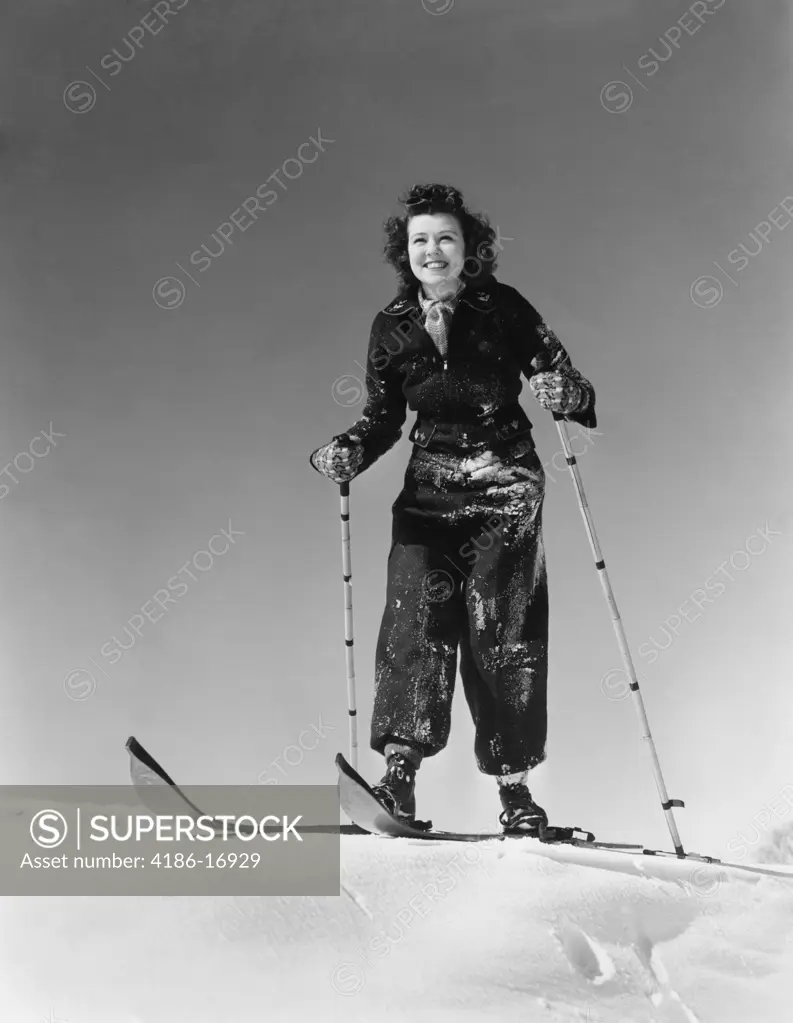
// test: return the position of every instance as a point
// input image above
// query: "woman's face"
(436, 247)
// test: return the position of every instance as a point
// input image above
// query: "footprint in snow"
(584, 954)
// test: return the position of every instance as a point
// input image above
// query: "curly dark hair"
(478, 236)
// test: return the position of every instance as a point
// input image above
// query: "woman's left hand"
(556, 392)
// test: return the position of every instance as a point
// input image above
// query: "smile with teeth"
(435, 264)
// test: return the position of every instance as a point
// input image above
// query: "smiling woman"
(478, 259)
(436, 249)
(464, 340)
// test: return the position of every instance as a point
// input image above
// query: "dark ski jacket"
(493, 337)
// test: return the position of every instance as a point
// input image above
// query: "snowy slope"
(422, 932)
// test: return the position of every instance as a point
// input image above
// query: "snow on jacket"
(493, 338)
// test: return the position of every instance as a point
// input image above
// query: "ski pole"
(622, 641)
(344, 491)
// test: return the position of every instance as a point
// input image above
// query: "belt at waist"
(500, 426)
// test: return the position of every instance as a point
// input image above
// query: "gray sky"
(177, 421)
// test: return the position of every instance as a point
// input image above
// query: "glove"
(556, 392)
(490, 466)
(339, 462)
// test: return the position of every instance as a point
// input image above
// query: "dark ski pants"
(466, 569)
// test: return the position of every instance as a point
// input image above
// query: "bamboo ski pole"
(622, 642)
(344, 490)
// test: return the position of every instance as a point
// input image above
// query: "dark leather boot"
(397, 789)
(520, 812)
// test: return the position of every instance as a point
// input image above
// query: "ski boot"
(397, 790)
(521, 815)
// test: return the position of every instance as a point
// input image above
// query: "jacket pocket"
(517, 427)
(422, 434)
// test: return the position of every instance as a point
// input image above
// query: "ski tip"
(131, 743)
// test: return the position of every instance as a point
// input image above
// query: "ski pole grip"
(344, 489)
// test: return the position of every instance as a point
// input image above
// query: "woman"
(467, 565)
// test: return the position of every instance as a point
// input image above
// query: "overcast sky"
(626, 151)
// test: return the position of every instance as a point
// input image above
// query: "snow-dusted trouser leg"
(416, 658)
(466, 568)
(504, 644)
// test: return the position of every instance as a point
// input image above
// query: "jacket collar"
(481, 296)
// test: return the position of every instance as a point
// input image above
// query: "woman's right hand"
(339, 462)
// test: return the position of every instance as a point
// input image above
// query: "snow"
(422, 931)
